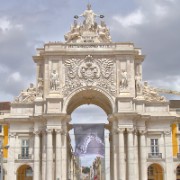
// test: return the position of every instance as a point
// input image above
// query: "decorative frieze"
(89, 72)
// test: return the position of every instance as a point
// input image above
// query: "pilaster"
(43, 155)
(122, 163)
(143, 155)
(11, 156)
(64, 155)
(59, 164)
(115, 154)
(168, 155)
(49, 155)
(130, 152)
(136, 154)
(36, 174)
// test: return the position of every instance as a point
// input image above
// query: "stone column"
(107, 156)
(122, 163)
(72, 168)
(143, 156)
(44, 155)
(64, 155)
(49, 155)
(58, 154)
(115, 155)
(130, 153)
(168, 155)
(11, 157)
(36, 172)
(111, 155)
(136, 155)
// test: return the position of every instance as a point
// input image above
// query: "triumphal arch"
(88, 68)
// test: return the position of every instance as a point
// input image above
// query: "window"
(25, 148)
(154, 147)
(179, 127)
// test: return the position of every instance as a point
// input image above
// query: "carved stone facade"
(88, 72)
(90, 69)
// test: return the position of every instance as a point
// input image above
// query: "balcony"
(24, 156)
(155, 155)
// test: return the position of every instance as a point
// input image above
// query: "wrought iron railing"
(24, 156)
(155, 155)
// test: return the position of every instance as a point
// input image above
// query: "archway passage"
(90, 97)
(88, 115)
(24, 172)
(155, 172)
(178, 173)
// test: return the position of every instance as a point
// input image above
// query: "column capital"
(36, 132)
(59, 131)
(142, 131)
(136, 131)
(12, 134)
(167, 133)
(49, 131)
(120, 130)
(130, 130)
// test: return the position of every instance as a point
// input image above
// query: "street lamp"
(1, 148)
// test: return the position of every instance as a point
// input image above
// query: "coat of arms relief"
(89, 72)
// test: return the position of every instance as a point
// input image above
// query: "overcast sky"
(153, 25)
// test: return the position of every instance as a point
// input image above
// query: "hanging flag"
(89, 139)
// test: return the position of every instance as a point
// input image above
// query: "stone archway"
(24, 172)
(89, 96)
(103, 101)
(155, 172)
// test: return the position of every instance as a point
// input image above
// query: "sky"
(153, 25)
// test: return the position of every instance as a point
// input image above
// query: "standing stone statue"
(138, 81)
(54, 81)
(89, 16)
(124, 80)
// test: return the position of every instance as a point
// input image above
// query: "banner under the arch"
(89, 139)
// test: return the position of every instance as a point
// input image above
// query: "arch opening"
(25, 172)
(155, 172)
(90, 97)
(178, 172)
(92, 114)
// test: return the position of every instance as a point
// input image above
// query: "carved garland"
(89, 72)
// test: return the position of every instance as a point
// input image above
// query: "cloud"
(157, 34)
(132, 19)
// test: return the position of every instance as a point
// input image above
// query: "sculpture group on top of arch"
(89, 31)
